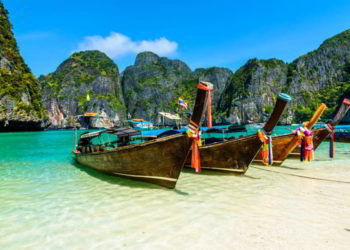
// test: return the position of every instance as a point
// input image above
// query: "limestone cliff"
(20, 105)
(219, 78)
(250, 94)
(86, 82)
(322, 75)
(154, 84)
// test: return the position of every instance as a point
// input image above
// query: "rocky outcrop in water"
(20, 104)
(87, 82)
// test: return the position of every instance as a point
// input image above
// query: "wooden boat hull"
(159, 161)
(279, 144)
(319, 135)
(231, 156)
(235, 155)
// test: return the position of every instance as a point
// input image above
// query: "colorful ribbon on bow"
(308, 146)
(195, 133)
(305, 141)
(266, 153)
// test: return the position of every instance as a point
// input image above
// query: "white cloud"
(117, 45)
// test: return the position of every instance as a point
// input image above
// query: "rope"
(302, 176)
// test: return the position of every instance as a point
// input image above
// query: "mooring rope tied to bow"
(301, 176)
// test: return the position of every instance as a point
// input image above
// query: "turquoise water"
(48, 202)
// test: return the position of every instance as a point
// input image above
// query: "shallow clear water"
(48, 202)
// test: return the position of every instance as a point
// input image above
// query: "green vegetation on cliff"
(332, 96)
(17, 83)
(322, 76)
(85, 77)
(154, 84)
(186, 90)
(340, 40)
(253, 81)
(319, 76)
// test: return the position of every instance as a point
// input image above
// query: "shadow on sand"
(293, 168)
(117, 180)
(208, 172)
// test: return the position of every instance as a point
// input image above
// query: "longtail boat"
(319, 135)
(157, 161)
(235, 155)
(283, 145)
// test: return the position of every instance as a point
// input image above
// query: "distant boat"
(175, 118)
(158, 161)
(235, 155)
(140, 123)
(256, 125)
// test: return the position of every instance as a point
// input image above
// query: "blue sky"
(201, 33)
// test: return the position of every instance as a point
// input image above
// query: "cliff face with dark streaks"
(322, 75)
(20, 104)
(87, 82)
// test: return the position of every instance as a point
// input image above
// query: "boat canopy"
(121, 132)
(94, 115)
(138, 121)
(170, 116)
(213, 130)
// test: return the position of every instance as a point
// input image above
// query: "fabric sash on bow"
(305, 141)
(266, 152)
(194, 133)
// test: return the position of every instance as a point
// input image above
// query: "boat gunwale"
(286, 135)
(245, 138)
(132, 146)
